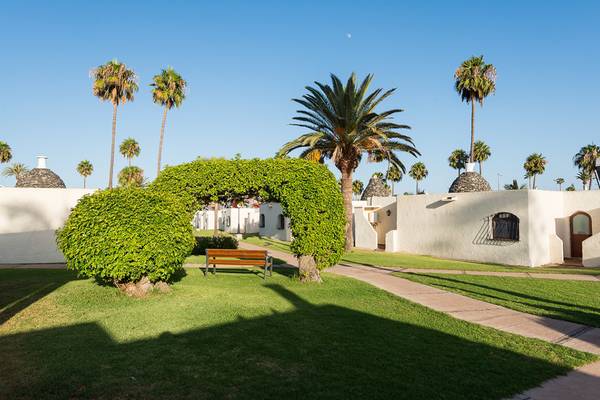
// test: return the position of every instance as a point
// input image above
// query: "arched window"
(280, 221)
(505, 226)
(261, 221)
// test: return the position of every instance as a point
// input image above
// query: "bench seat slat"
(229, 261)
(236, 253)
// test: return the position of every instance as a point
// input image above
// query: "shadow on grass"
(312, 351)
(556, 309)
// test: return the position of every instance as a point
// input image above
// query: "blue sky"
(244, 61)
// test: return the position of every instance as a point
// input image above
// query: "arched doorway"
(581, 229)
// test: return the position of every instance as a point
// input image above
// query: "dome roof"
(469, 182)
(376, 187)
(40, 178)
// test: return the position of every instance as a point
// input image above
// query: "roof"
(40, 178)
(469, 182)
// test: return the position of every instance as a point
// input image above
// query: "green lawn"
(234, 336)
(575, 301)
(405, 260)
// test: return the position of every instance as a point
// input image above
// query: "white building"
(231, 220)
(272, 222)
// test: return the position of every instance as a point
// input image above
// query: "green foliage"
(534, 165)
(357, 187)
(307, 191)
(121, 235)
(85, 168)
(129, 149)
(131, 177)
(418, 171)
(458, 159)
(114, 82)
(5, 152)
(16, 169)
(475, 80)
(570, 188)
(168, 88)
(514, 186)
(213, 242)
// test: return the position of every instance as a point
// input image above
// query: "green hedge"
(213, 242)
(121, 235)
(307, 191)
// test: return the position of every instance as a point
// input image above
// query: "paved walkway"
(34, 266)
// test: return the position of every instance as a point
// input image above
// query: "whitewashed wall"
(271, 212)
(29, 218)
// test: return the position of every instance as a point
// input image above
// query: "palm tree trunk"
(534, 181)
(216, 224)
(597, 179)
(347, 195)
(84, 178)
(472, 155)
(392, 188)
(162, 136)
(112, 147)
(480, 169)
(417, 188)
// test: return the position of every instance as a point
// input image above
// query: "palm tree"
(474, 81)
(418, 172)
(85, 169)
(15, 170)
(131, 177)
(481, 152)
(357, 187)
(559, 182)
(458, 160)
(586, 158)
(5, 152)
(130, 148)
(393, 175)
(586, 178)
(534, 165)
(514, 186)
(570, 188)
(344, 126)
(169, 91)
(115, 83)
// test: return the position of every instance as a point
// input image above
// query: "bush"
(213, 242)
(122, 235)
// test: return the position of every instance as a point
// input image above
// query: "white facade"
(460, 226)
(29, 218)
(272, 223)
(228, 218)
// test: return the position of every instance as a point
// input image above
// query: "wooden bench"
(256, 258)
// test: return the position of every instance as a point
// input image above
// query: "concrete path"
(33, 266)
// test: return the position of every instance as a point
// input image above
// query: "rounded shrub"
(122, 235)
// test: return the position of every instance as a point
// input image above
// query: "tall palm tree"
(474, 81)
(130, 148)
(535, 165)
(570, 188)
(585, 159)
(85, 169)
(514, 186)
(5, 152)
(418, 172)
(131, 177)
(169, 90)
(458, 160)
(481, 152)
(357, 187)
(16, 170)
(559, 182)
(116, 83)
(344, 126)
(586, 178)
(393, 175)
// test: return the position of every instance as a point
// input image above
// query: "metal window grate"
(505, 226)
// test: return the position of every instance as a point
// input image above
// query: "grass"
(405, 260)
(576, 301)
(234, 336)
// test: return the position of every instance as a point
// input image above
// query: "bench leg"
(206, 267)
(214, 269)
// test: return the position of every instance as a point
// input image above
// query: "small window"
(581, 224)
(505, 226)
(228, 221)
(261, 221)
(280, 221)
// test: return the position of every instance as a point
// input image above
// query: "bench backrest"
(233, 253)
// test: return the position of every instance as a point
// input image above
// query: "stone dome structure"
(40, 177)
(376, 187)
(469, 182)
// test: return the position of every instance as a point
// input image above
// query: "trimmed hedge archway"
(308, 193)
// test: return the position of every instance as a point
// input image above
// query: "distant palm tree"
(474, 81)
(115, 83)
(85, 169)
(393, 175)
(344, 126)
(130, 148)
(514, 186)
(586, 158)
(16, 170)
(5, 152)
(357, 187)
(534, 165)
(131, 177)
(481, 153)
(570, 188)
(586, 178)
(169, 91)
(559, 182)
(458, 160)
(418, 172)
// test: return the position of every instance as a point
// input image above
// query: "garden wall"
(29, 218)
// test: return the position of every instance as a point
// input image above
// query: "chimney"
(41, 162)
